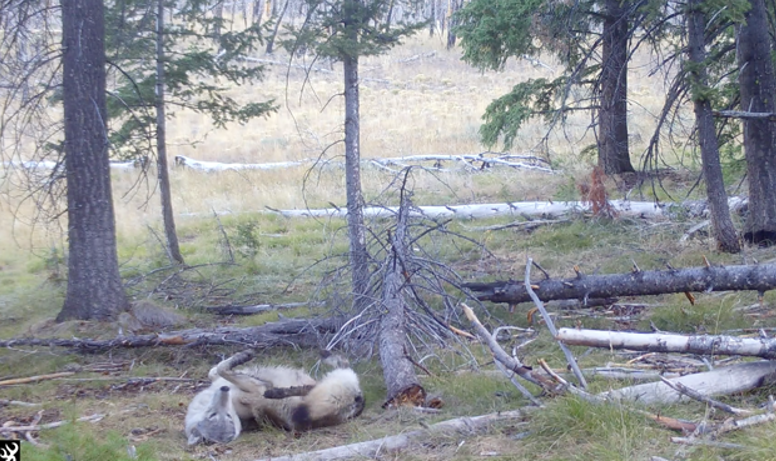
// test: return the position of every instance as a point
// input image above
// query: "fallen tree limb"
(32, 379)
(758, 278)
(693, 394)
(551, 326)
(372, 448)
(733, 379)
(510, 363)
(665, 342)
(251, 310)
(301, 332)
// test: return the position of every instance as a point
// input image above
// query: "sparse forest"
(512, 229)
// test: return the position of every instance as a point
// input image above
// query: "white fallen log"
(729, 380)
(471, 162)
(372, 448)
(487, 210)
(665, 342)
(201, 165)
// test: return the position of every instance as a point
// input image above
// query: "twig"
(681, 388)
(37, 427)
(551, 326)
(508, 361)
(19, 403)
(736, 424)
(33, 379)
(706, 443)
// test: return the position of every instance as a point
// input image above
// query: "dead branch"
(18, 402)
(510, 362)
(551, 326)
(679, 387)
(254, 309)
(300, 332)
(373, 448)
(707, 443)
(758, 278)
(37, 427)
(664, 342)
(32, 379)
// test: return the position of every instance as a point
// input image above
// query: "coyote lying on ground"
(295, 401)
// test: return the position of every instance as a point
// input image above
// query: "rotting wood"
(300, 332)
(372, 448)
(728, 380)
(665, 342)
(758, 277)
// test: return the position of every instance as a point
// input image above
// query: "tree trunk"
(402, 383)
(723, 228)
(759, 278)
(279, 19)
(451, 23)
(173, 249)
(359, 257)
(218, 16)
(667, 342)
(758, 90)
(614, 156)
(94, 289)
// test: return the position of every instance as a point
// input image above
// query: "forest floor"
(418, 99)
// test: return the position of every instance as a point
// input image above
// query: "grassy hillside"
(419, 99)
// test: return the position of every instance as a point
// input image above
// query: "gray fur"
(211, 416)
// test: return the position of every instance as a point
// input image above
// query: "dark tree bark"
(173, 248)
(759, 278)
(758, 90)
(614, 155)
(454, 6)
(723, 228)
(278, 19)
(359, 257)
(94, 289)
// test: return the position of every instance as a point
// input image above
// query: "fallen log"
(758, 277)
(372, 448)
(403, 385)
(301, 332)
(729, 380)
(253, 309)
(666, 342)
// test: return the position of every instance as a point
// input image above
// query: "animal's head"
(334, 400)
(220, 423)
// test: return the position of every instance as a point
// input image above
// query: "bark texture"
(759, 278)
(94, 289)
(724, 231)
(359, 257)
(614, 155)
(758, 90)
(403, 386)
(662, 342)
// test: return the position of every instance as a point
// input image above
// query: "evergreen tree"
(344, 31)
